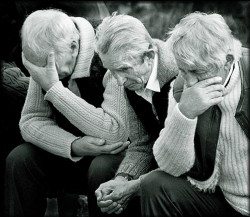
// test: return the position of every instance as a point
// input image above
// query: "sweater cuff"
(68, 150)
(56, 88)
(181, 122)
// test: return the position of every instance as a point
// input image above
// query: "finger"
(26, 63)
(215, 101)
(118, 150)
(109, 208)
(119, 211)
(96, 141)
(210, 81)
(104, 203)
(51, 60)
(115, 209)
(98, 194)
(215, 94)
(215, 87)
(108, 148)
(112, 196)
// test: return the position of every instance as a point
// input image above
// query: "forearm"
(138, 160)
(174, 149)
(107, 122)
(38, 127)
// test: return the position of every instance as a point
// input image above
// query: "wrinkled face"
(66, 65)
(192, 75)
(132, 73)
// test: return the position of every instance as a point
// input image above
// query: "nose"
(120, 79)
(190, 79)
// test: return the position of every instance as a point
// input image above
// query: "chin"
(134, 88)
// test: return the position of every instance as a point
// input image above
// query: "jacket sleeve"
(108, 122)
(139, 157)
(174, 148)
(38, 127)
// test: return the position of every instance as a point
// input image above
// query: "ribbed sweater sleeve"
(174, 149)
(38, 127)
(139, 157)
(108, 122)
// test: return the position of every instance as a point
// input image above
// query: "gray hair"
(202, 39)
(47, 30)
(125, 32)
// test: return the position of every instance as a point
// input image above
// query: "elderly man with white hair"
(203, 150)
(74, 117)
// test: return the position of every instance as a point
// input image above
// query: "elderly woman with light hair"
(74, 117)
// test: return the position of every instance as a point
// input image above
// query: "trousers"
(166, 195)
(32, 175)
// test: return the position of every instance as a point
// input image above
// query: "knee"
(150, 184)
(103, 168)
(160, 183)
(18, 157)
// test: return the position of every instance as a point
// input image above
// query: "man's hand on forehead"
(46, 76)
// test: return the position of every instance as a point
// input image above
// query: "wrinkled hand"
(197, 99)
(46, 76)
(92, 146)
(113, 196)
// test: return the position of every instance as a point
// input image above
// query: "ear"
(74, 48)
(149, 55)
(229, 62)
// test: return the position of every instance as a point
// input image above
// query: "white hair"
(124, 32)
(47, 30)
(202, 39)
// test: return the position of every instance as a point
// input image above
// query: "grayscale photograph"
(125, 108)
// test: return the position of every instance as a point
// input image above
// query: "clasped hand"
(113, 196)
(46, 76)
(196, 99)
(92, 146)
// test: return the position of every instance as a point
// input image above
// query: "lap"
(169, 192)
(58, 172)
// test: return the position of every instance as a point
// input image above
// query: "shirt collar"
(153, 83)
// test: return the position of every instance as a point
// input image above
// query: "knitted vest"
(208, 124)
(144, 110)
(91, 89)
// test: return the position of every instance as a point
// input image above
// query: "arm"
(38, 126)
(174, 149)
(107, 122)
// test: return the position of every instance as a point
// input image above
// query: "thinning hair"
(123, 32)
(47, 30)
(203, 40)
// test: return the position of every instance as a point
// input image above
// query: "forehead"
(118, 59)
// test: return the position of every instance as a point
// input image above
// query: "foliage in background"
(160, 16)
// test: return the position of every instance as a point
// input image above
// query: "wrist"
(185, 112)
(74, 148)
(135, 187)
(123, 177)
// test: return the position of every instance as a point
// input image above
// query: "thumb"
(97, 141)
(51, 60)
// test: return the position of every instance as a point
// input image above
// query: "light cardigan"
(175, 154)
(109, 122)
(139, 158)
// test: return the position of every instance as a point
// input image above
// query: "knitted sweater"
(37, 123)
(139, 158)
(174, 149)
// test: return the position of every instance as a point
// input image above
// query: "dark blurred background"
(159, 16)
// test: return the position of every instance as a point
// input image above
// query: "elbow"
(175, 164)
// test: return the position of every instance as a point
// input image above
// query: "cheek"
(207, 75)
